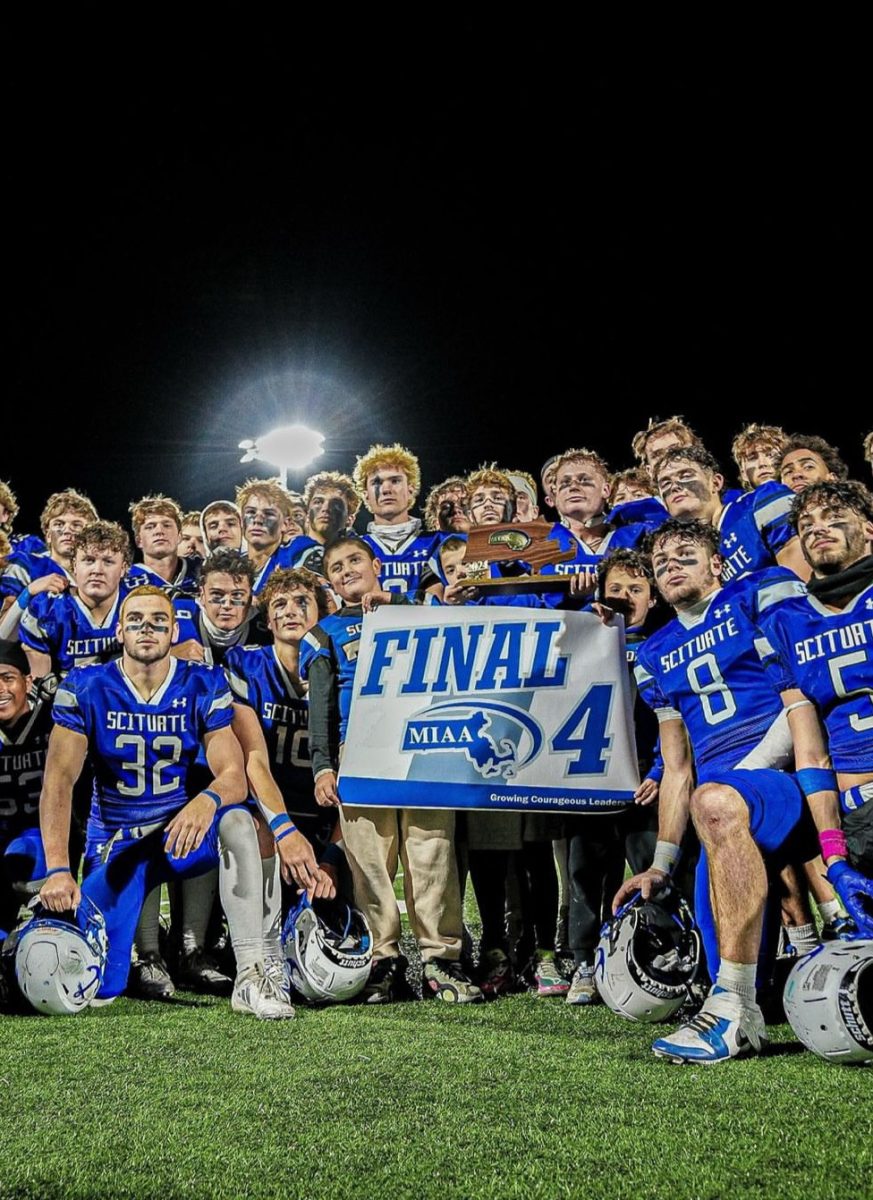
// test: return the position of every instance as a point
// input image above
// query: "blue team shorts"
(119, 886)
(782, 828)
(774, 800)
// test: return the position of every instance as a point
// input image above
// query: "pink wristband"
(832, 842)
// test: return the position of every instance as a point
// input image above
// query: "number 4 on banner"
(590, 718)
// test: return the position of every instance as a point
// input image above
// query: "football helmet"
(328, 949)
(59, 963)
(647, 957)
(829, 1001)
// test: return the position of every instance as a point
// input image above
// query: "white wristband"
(666, 857)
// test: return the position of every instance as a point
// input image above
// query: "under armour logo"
(730, 540)
(180, 703)
(722, 612)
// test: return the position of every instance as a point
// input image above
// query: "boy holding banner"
(376, 838)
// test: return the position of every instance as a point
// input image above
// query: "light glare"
(288, 448)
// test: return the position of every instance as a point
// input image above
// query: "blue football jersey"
(284, 558)
(185, 582)
(625, 537)
(28, 543)
(754, 528)
(23, 566)
(258, 679)
(23, 746)
(648, 510)
(829, 657)
(192, 628)
(336, 637)
(704, 667)
(403, 562)
(142, 751)
(62, 627)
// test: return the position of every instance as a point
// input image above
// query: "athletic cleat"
(255, 993)
(548, 980)
(724, 1028)
(583, 989)
(496, 976)
(443, 979)
(276, 972)
(149, 978)
(840, 927)
(387, 982)
(198, 973)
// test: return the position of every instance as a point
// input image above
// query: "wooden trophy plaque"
(530, 544)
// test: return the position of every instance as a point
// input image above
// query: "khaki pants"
(422, 839)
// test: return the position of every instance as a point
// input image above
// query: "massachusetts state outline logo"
(495, 739)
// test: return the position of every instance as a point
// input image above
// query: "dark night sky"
(485, 245)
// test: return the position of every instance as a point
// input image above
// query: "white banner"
(496, 708)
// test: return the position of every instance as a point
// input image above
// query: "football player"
(271, 722)
(191, 542)
(25, 725)
(331, 505)
(650, 443)
(807, 459)
(157, 531)
(144, 719)
(8, 513)
(599, 844)
(824, 641)
(377, 838)
(221, 526)
(754, 529)
(581, 492)
(265, 507)
(721, 718)
(526, 506)
(388, 480)
(65, 514)
(757, 450)
(222, 616)
(755, 532)
(65, 630)
(295, 522)
(445, 510)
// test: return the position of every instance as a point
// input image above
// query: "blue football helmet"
(648, 957)
(59, 963)
(328, 950)
(829, 1000)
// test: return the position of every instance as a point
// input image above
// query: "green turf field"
(521, 1097)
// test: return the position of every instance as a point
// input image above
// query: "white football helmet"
(829, 1001)
(59, 964)
(329, 952)
(648, 957)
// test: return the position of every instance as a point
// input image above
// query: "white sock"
(272, 918)
(829, 910)
(198, 896)
(240, 883)
(802, 937)
(148, 927)
(738, 978)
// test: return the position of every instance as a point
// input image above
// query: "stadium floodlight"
(290, 449)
